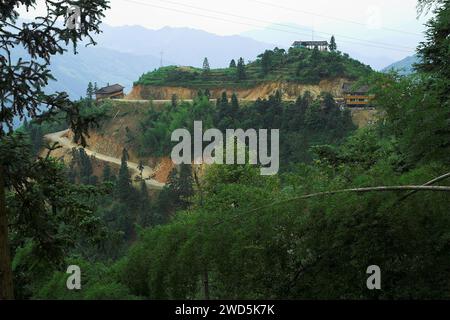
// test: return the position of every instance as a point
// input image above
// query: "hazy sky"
(389, 27)
(210, 15)
(394, 14)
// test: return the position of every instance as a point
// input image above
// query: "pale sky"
(244, 15)
(381, 23)
(392, 14)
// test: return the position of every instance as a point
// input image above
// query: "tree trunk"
(6, 277)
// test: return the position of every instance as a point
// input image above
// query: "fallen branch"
(353, 190)
(379, 189)
(360, 190)
(429, 183)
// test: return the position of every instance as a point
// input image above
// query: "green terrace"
(297, 65)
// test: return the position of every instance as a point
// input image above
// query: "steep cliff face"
(289, 90)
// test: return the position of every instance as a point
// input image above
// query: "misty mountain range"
(405, 66)
(100, 65)
(122, 54)
(183, 46)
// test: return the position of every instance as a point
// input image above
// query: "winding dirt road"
(61, 138)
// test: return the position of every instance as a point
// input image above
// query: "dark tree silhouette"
(241, 69)
(22, 84)
(333, 45)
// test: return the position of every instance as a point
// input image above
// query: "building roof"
(110, 89)
(348, 88)
(310, 43)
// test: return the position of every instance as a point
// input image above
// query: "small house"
(110, 92)
(320, 45)
(357, 97)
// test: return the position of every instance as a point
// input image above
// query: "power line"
(369, 44)
(279, 24)
(332, 18)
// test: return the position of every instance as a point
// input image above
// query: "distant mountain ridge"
(405, 66)
(123, 54)
(100, 65)
(184, 46)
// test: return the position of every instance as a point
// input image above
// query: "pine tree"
(107, 174)
(36, 136)
(435, 50)
(90, 91)
(168, 197)
(233, 64)
(223, 117)
(241, 69)
(332, 46)
(85, 165)
(206, 67)
(141, 167)
(174, 101)
(185, 181)
(145, 216)
(23, 84)
(124, 187)
(224, 100)
(232, 114)
(234, 105)
(143, 191)
(266, 62)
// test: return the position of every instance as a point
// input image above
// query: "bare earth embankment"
(148, 173)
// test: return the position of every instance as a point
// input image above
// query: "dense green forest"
(303, 123)
(228, 232)
(297, 65)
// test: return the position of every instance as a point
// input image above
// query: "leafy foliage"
(302, 124)
(22, 95)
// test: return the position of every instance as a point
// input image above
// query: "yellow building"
(357, 97)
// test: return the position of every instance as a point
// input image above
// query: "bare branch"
(429, 183)
(359, 190)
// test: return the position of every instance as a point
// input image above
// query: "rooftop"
(349, 88)
(310, 43)
(110, 89)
